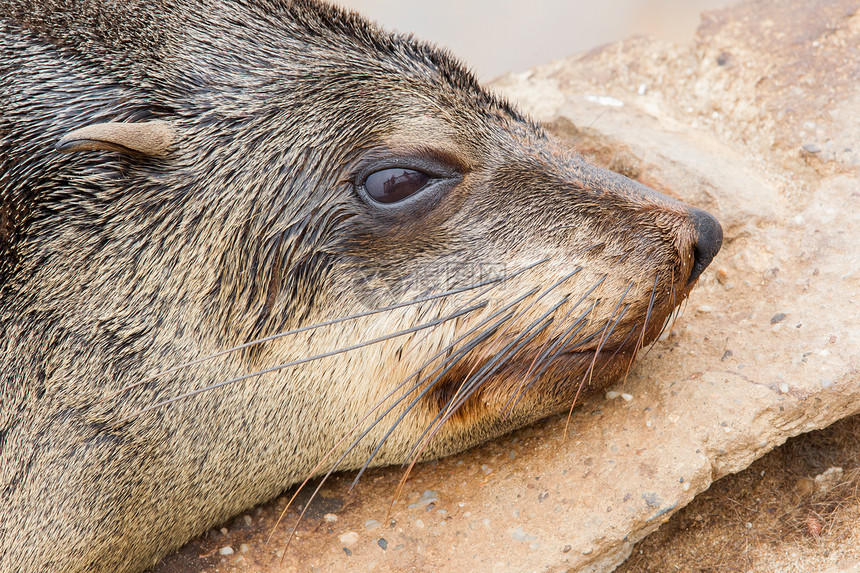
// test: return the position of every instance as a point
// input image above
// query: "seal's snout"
(709, 239)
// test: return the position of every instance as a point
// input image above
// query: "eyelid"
(433, 168)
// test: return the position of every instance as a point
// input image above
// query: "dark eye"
(393, 185)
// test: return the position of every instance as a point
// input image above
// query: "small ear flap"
(147, 138)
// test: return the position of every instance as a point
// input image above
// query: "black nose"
(709, 238)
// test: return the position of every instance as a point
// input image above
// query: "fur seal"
(247, 241)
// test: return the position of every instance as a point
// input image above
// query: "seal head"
(405, 264)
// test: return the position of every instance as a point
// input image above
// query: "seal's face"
(547, 274)
(512, 278)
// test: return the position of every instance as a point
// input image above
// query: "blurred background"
(498, 36)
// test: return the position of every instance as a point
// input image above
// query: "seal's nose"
(709, 238)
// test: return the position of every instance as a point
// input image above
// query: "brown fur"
(246, 218)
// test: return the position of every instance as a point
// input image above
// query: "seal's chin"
(570, 377)
(549, 377)
(530, 387)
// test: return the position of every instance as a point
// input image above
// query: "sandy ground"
(774, 516)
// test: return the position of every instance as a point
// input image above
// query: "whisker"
(561, 343)
(545, 360)
(469, 385)
(618, 349)
(499, 359)
(334, 466)
(641, 340)
(543, 350)
(494, 282)
(542, 295)
(459, 355)
(603, 338)
(304, 360)
(437, 423)
(550, 289)
(439, 377)
(674, 315)
(477, 296)
(588, 374)
(582, 315)
(531, 304)
(452, 360)
(666, 322)
(379, 404)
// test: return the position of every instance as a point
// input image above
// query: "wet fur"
(114, 266)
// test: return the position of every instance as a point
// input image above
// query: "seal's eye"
(393, 185)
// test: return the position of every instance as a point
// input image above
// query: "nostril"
(709, 238)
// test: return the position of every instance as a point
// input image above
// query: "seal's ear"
(147, 138)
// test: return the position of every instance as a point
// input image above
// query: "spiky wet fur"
(115, 266)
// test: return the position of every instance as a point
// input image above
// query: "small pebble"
(612, 394)
(348, 538)
(371, 524)
(347, 551)
(429, 496)
(224, 531)
(248, 520)
(244, 548)
(627, 397)
(519, 535)
(330, 517)
(783, 387)
(566, 548)
(829, 479)
(382, 543)
(605, 100)
(226, 550)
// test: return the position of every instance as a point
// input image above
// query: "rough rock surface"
(757, 122)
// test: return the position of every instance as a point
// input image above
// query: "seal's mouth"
(554, 373)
